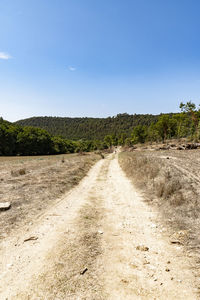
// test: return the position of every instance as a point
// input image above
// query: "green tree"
(108, 140)
(152, 133)
(122, 139)
(59, 145)
(190, 109)
(34, 141)
(128, 142)
(163, 126)
(8, 136)
(139, 134)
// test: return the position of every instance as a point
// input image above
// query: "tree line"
(27, 140)
(16, 139)
(185, 124)
(89, 128)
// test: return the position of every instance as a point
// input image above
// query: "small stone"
(100, 231)
(153, 226)
(5, 206)
(169, 262)
(142, 248)
(155, 279)
(124, 281)
(31, 238)
(146, 262)
(167, 270)
(179, 281)
(179, 237)
(83, 271)
(134, 266)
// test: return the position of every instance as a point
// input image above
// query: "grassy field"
(32, 184)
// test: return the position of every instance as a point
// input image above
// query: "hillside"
(89, 128)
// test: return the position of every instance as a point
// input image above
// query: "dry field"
(170, 180)
(33, 184)
(98, 241)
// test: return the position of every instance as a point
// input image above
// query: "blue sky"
(98, 57)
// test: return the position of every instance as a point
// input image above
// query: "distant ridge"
(89, 128)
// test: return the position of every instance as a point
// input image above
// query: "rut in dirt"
(105, 244)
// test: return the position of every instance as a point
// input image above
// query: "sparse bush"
(171, 188)
(160, 188)
(177, 199)
(157, 178)
(22, 171)
(167, 187)
(18, 172)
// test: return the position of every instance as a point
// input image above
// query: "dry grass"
(32, 184)
(170, 180)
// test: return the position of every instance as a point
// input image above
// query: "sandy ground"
(100, 242)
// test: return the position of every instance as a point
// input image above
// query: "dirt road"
(101, 241)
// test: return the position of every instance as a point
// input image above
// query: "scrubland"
(170, 180)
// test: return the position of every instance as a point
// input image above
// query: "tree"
(190, 109)
(8, 135)
(139, 134)
(108, 140)
(152, 133)
(163, 126)
(122, 139)
(183, 125)
(128, 142)
(59, 145)
(34, 141)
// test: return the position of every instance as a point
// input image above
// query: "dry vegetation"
(32, 184)
(170, 179)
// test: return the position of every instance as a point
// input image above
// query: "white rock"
(153, 226)
(5, 206)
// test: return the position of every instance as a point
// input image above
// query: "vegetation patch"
(169, 180)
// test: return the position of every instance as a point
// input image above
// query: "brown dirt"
(102, 227)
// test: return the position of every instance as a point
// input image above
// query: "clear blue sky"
(98, 57)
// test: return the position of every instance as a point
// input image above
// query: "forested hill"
(89, 128)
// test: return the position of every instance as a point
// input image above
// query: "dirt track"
(101, 229)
